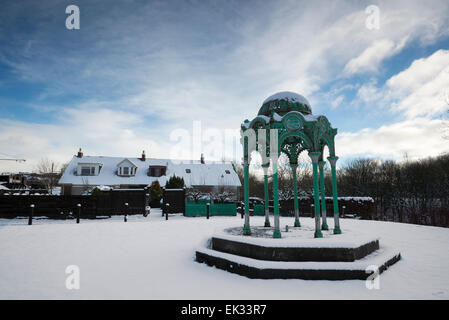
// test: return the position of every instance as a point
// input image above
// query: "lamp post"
(147, 205)
(30, 218)
(125, 218)
(166, 211)
(78, 213)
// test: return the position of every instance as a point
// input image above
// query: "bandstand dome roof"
(284, 102)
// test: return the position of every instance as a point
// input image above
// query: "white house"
(84, 172)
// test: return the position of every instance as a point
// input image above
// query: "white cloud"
(252, 53)
(421, 89)
(371, 57)
(416, 94)
(335, 103)
(418, 138)
(101, 131)
(369, 92)
(132, 64)
(98, 132)
(420, 72)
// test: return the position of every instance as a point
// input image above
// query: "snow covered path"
(150, 258)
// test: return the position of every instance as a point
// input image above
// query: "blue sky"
(137, 74)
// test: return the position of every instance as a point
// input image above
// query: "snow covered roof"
(284, 102)
(124, 161)
(208, 174)
(288, 96)
(277, 117)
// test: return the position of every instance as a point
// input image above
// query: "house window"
(126, 171)
(87, 171)
(228, 172)
(157, 171)
(188, 171)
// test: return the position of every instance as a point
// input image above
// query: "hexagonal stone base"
(297, 255)
(259, 269)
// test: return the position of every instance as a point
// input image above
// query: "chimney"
(143, 158)
(80, 153)
(202, 159)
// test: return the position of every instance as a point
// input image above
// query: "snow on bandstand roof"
(288, 96)
(283, 102)
(207, 174)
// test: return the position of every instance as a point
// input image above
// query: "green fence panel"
(202, 201)
(223, 209)
(259, 209)
(195, 209)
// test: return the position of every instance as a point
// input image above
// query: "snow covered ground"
(150, 258)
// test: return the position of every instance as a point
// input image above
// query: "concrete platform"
(301, 252)
(260, 269)
(297, 255)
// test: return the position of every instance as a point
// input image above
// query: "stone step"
(301, 252)
(262, 269)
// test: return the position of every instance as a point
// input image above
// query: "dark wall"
(176, 200)
(361, 208)
(100, 204)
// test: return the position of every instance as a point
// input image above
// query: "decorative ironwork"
(289, 116)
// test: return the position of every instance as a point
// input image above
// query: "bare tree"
(86, 186)
(285, 178)
(194, 193)
(63, 167)
(49, 173)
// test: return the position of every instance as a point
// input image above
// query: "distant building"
(86, 172)
(13, 180)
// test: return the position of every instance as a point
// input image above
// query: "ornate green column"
(277, 230)
(267, 200)
(324, 225)
(246, 228)
(294, 166)
(315, 156)
(333, 162)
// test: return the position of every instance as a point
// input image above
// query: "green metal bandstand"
(285, 124)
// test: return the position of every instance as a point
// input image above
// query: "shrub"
(175, 182)
(155, 194)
